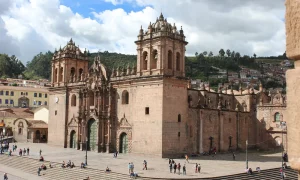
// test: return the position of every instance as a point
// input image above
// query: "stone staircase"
(29, 165)
(268, 174)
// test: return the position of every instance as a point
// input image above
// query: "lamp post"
(246, 154)
(283, 126)
(86, 146)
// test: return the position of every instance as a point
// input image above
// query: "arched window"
(125, 97)
(145, 60)
(179, 118)
(80, 73)
(277, 117)
(73, 100)
(55, 75)
(170, 61)
(20, 131)
(72, 72)
(61, 74)
(178, 61)
(154, 59)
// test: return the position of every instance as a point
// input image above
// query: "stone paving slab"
(219, 165)
(15, 174)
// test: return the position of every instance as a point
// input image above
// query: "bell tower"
(69, 65)
(161, 50)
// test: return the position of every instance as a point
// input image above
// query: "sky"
(28, 27)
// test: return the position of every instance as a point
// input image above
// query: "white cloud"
(29, 27)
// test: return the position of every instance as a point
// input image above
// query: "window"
(147, 111)
(170, 61)
(39, 103)
(178, 134)
(35, 95)
(154, 59)
(7, 93)
(1, 93)
(6, 101)
(40, 94)
(0, 101)
(179, 118)
(55, 112)
(145, 60)
(178, 61)
(72, 72)
(12, 93)
(11, 101)
(92, 98)
(73, 100)
(277, 117)
(46, 95)
(34, 102)
(80, 73)
(125, 97)
(21, 93)
(45, 103)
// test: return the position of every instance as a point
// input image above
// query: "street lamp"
(283, 126)
(246, 154)
(86, 146)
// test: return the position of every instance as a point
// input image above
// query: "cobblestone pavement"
(219, 165)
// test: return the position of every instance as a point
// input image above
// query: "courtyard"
(219, 165)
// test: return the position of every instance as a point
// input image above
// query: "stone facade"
(147, 109)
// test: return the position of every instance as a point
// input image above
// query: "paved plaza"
(219, 165)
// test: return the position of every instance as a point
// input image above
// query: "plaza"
(219, 165)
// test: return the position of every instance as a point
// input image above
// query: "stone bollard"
(293, 82)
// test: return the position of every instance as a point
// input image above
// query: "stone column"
(293, 82)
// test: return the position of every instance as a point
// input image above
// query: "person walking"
(170, 166)
(199, 168)
(5, 176)
(24, 152)
(187, 158)
(13, 147)
(184, 170)
(40, 152)
(196, 168)
(175, 166)
(39, 171)
(145, 165)
(233, 156)
(178, 167)
(28, 151)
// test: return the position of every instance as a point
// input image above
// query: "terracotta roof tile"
(37, 124)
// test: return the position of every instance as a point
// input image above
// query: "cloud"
(30, 27)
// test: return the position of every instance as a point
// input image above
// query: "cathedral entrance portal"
(123, 143)
(92, 134)
(73, 139)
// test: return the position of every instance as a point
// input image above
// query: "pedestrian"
(40, 152)
(233, 156)
(173, 161)
(170, 161)
(184, 170)
(39, 171)
(20, 152)
(129, 168)
(178, 167)
(145, 165)
(187, 158)
(5, 176)
(132, 167)
(196, 169)
(175, 166)
(24, 152)
(13, 147)
(28, 151)
(282, 174)
(199, 168)
(116, 154)
(258, 169)
(170, 166)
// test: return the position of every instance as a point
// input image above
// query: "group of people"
(4, 147)
(42, 167)
(176, 167)
(68, 165)
(22, 152)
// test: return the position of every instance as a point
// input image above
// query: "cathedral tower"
(161, 50)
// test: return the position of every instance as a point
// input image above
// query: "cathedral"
(150, 108)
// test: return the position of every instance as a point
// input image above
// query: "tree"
(210, 54)
(40, 65)
(232, 54)
(204, 53)
(228, 52)
(196, 54)
(237, 55)
(254, 55)
(222, 52)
